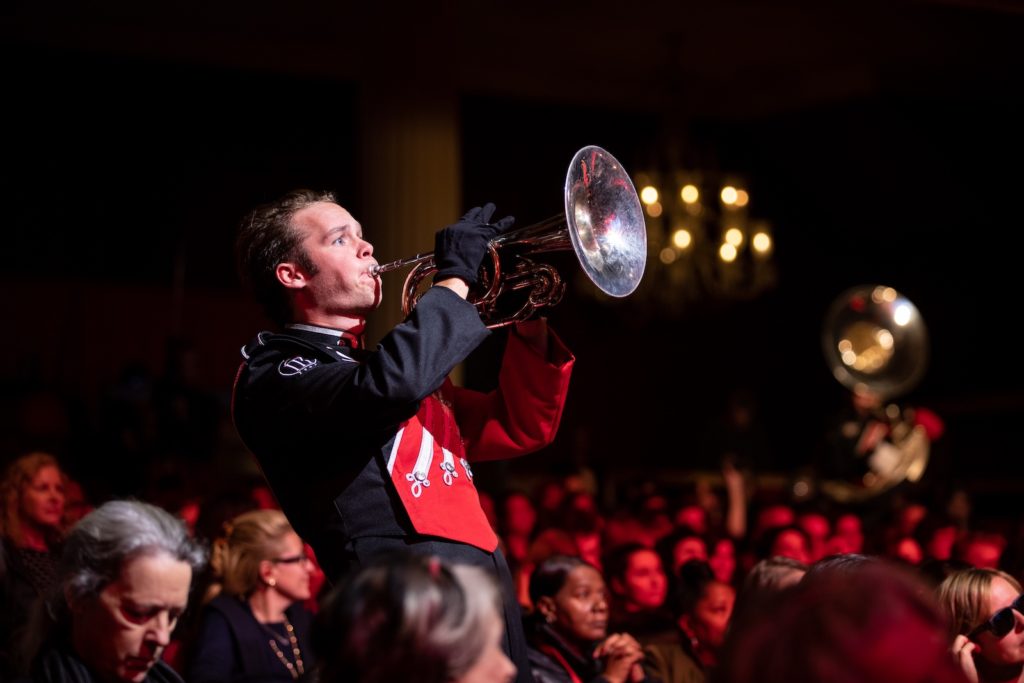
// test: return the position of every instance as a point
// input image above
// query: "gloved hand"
(459, 249)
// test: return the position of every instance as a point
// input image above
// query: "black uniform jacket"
(321, 417)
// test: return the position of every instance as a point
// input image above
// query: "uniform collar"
(327, 335)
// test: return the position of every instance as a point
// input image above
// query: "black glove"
(459, 249)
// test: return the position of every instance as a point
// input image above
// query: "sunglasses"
(1002, 621)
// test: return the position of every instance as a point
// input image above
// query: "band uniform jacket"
(358, 444)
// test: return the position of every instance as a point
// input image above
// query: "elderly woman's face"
(121, 633)
(1010, 648)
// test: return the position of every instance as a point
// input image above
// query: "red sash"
(429, 470)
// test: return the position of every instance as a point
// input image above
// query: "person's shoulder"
(545, 668)
(227, 608)
(290, 355)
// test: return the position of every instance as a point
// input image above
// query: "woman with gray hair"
(124, 580)
(413, 619)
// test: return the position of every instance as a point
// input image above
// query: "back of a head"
(876, 624)
(765, 580)
(840, 565)
(404, 618)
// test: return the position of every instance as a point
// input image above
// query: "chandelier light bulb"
(762, 243)
(682, 238)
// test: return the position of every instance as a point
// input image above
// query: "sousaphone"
(876, 344)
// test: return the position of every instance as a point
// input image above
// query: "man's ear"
(290, 275)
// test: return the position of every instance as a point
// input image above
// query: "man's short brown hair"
(266, 238)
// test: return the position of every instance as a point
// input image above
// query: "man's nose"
(367, 249)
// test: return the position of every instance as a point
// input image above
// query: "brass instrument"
(876, 345)
(603, 223)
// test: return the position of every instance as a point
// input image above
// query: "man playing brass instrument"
(368, 451)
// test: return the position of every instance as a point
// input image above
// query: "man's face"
(122, 632)
(333, 241)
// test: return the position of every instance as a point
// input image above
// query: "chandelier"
(703, 242)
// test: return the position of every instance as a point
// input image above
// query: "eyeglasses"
(1002, 621)
(294, 559)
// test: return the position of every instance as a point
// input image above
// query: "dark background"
(882, 142)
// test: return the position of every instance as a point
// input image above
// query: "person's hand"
(460, 248)
(622, 655)
(732, 477)
(963, 649)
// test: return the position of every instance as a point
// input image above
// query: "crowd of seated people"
(695, 588)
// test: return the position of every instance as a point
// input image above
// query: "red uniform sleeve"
(523, 415)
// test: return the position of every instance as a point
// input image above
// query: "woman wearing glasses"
(986, 613)
(257, 628)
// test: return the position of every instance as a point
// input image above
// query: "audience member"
(31, 521)
(638, 588)
(413, 619)
(986, 619)
(702, 607)
(123, 582)
(568, 631)
(876, 624)
(256, 628)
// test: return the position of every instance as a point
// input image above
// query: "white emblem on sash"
(418, 476)
(448, 466)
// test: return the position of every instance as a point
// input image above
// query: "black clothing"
(26, 576)
(60, 665)
(320, 417)
(549, 656)
(233, 647)
(330, 426)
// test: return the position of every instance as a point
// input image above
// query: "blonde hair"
(964, 597)
(249, 539)
(18, 477)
